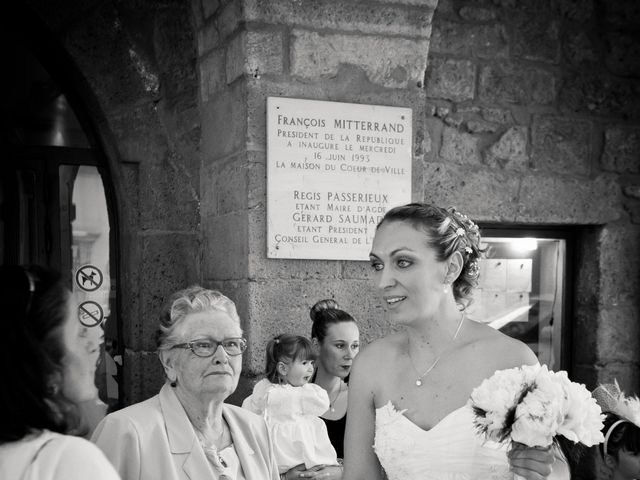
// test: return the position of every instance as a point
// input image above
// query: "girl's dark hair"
(286, 348)
(324, 314)
(625, 436)
(33, 302)
(447, 231)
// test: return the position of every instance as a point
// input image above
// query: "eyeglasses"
(206, 348)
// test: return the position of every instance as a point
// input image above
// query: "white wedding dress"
(451, 450)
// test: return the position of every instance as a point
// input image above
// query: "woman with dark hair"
(336, 337)
(48, 369)
(408, 394)
(621, 448)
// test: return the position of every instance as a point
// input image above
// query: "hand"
(329, 472)
(531, 463)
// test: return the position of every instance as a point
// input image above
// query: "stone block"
(390, 62)
(621, 14)
(632, 207)
(587, 275)
(536, 37)
(225, 246)
(596, 93)
(133, 323)
(619, 334)
(418, 3)
(208, 37)
(497, 115)
(579, 49)
(224, 124)
(129, 194)
(561, 145)
(519, 84)
(175, 52)
(623, 54)
(229, 18)
(632, 191)
(210, 7)
(168, 262)
(483, 195)
(140, 134)
(585, 349)
(256, 180)
(345, 16)
(577, 10)
(451, 79)
(223, 186)
(619, 264)
(510, 151)
(114, 80)
(555, 199)
(143, 376)
(480, 126)
(477, 14)
(212, 74)
(621, 149)
(256, 53)
(464, 39)
(169, 194)
(459, 147)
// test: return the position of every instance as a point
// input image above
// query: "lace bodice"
(451, 450)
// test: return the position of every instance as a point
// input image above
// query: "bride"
(408, 391)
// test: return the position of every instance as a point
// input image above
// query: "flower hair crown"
(611, 399)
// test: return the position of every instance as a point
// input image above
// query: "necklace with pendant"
(331, 403)
(435, 362)
(211, 451)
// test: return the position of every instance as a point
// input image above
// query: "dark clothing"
(336, 428)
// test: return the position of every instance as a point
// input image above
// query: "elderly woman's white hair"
(193, 299)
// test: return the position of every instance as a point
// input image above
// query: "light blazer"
(154, 440)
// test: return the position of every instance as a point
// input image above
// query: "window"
(523, 290)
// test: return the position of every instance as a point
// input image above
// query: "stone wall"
(360, 52)
(533, 118)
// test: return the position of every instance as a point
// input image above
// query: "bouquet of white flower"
(532, 405)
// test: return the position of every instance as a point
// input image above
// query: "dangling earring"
(174, 383)
(445, 289)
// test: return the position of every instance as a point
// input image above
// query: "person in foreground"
(48, 370)
(336, 338)
(408, 401)
(621, 448)
(292, 406)
(186, 431)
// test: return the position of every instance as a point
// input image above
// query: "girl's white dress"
(293, 417)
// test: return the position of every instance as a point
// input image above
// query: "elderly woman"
(186, 431)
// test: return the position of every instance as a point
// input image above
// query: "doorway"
(56, 201)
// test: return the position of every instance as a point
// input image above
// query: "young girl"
(621, 448)
(291, 405)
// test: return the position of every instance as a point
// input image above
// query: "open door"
(55, 201)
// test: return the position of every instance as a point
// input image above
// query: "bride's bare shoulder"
(501, 350)
(382, 349)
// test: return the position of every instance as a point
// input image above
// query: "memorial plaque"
(333, 170)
